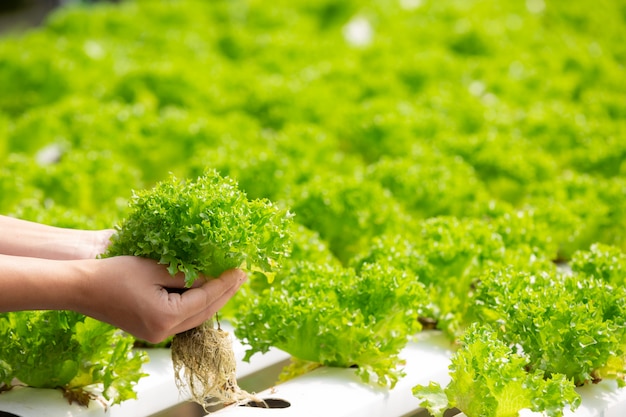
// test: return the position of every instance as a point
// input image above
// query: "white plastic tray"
(340, 392)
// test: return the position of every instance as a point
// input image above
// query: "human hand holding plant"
(139, 295)
(197, 229)
(176, 259)
(55, 268)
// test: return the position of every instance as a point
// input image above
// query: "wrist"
(96, 243)
(81, 244)
(80, 285)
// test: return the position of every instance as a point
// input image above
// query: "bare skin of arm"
(49, 268)
(24, 238)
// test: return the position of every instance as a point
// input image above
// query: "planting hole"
(268, 403)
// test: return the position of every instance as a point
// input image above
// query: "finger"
(203, 316)
(198, 304)
(225, 286)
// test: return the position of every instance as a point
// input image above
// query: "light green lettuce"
(203, 226)
(490, 379)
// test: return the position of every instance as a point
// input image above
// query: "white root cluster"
(205, 366)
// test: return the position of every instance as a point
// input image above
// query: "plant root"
(82, 397)
(205, 366)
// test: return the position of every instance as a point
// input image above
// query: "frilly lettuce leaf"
(335, 317)
(565, 323)
(601, 261)
(347, 211)
(489, 379)
(447, 254)
(430, 183)
(67, 350)
(206, 226)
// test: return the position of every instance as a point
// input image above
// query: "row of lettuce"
(444, 165)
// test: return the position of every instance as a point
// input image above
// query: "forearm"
(128, 292)
(39, 284)
(24, 238)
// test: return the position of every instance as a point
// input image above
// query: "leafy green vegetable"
(347, 211)
(307, 247)
(206, 226)
(270, 164)
(509, 167)
(336, 317)
(531, 229)
(202, 228)
(445, 253)
(593, 207)
(565, 324)
(601, 261)
(430, 183)
(310, 247)
(507, 114)
(489, 379)
(69, 351)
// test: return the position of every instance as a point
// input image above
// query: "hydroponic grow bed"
(360, 113)
(324, 391)
(155, 393)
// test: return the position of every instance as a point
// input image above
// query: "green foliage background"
(481, 132)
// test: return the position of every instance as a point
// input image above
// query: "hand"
(132, 293)
(52, 268)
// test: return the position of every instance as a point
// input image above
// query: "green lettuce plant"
(430, 183)
(337, 317)
(490, 379)
(601, 261)
(568, 324)
(83, 357)
(447, 255)
(203, 226)
(347, 211)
